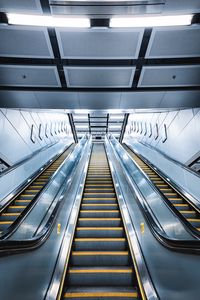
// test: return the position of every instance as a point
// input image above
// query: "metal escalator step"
(101, 244)
(6, 222)
(99, 213)
(9, 216)
(194, 222)
(99, 206)
(182, 206)
(100, 258)
(99, 222)
(103, 232)
(188, 213)
(96, 293)
(100, 276)
(98, 201)
(22, 201)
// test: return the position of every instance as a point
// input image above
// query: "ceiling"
(100, 68)
(98, 124)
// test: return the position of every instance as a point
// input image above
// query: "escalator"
(10, 214)
(183, 206)
(100, 264)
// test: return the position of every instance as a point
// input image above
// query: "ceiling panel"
(174, 42)
(57, 100)
(100, 77)
(40, 76)
(100, 43)
(20, 6)
(20, 41)
(97, 100)
(168, 76)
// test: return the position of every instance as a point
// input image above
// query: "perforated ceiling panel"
(170, 76)
(174, 42)
(100, 43)
(42, 76)
(21, 41)
(99, 76)
(20, 6)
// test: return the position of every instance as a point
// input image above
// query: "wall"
(15, 132)
(183, 132)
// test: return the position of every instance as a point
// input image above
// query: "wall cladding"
(175, 133)
(15, 132)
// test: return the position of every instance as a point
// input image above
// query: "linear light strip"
(47, 21)
(178, 20)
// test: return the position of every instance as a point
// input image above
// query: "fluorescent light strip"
(47, 21)
(178, 20)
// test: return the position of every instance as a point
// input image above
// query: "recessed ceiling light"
(47, 21)
(177, 20)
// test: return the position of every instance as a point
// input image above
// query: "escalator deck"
(17, 206)
(100, 264)
(181, 204)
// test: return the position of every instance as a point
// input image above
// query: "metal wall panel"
(21, 6)
(166, 76)
(23, 41)
(174, 42)
(99, 76)
(100, 43)
(40, 76)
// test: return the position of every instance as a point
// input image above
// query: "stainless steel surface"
(139, 261)
(56, 282)
(50, 195)
(41, 263)
(175, 276)
(165, 218)
(187, 180)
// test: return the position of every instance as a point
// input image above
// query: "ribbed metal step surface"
(100, 264)
(189, 212)
(19, 204)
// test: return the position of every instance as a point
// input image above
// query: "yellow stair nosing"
(96, 270)
(99, 228)
(91, 253)
(99, 239)
(99, 219)
(100, 211)
(100, 294)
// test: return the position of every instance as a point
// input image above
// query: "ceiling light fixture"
(178, 20)
(47, 21)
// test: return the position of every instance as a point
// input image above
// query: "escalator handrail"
(188, 246)
(142, 272)
(24, 160)
(15, 246)
(176, 212)
(13, 227)
(172, 159)
(193, 201)
(9, 198)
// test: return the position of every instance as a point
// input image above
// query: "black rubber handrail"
(187, 246)
(8, 247)
(13, 227)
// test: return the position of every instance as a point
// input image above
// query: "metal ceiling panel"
(23, 41)
(20, 6)
(99, 77)
(106, 8)
(168, 76)
(57, 100)
(13, 99)
(97, 100)
(100, 43)
(32, 76)
(174, 42)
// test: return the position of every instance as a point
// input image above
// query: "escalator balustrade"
(15, 208)
(100, 264)
(189, 212)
